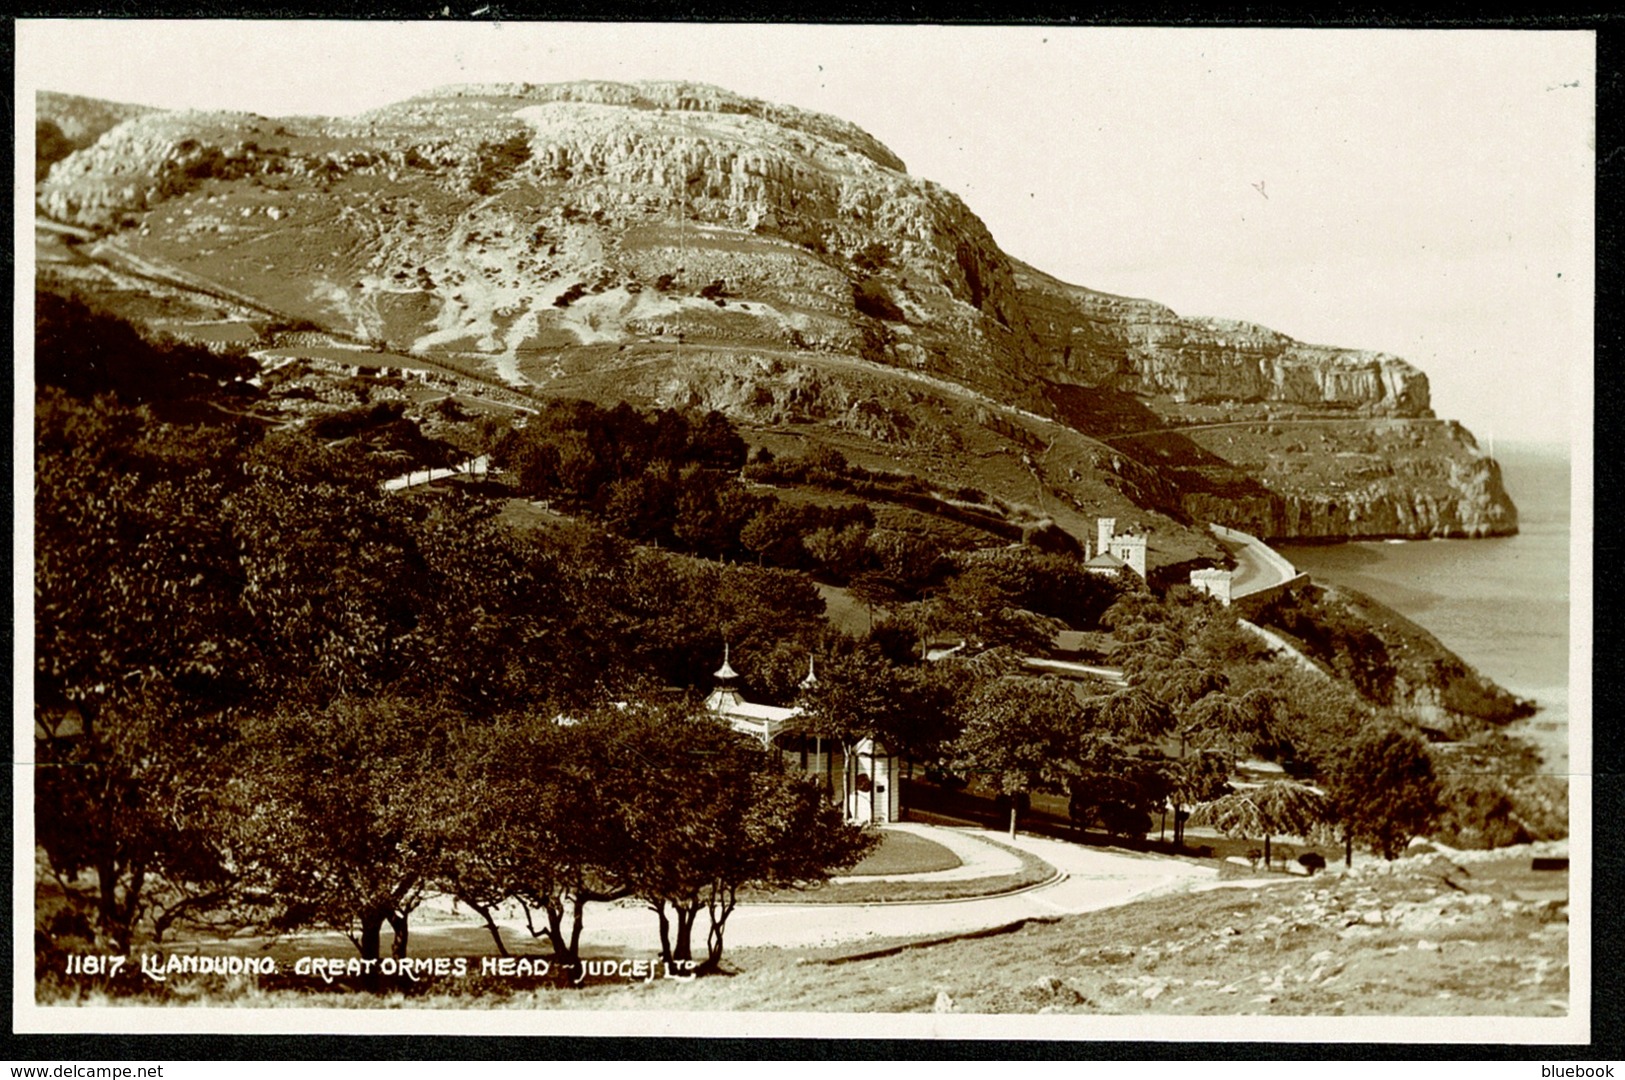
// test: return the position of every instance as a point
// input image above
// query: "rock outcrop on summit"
(673, 243)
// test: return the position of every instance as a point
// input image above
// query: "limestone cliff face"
(1142, 347)
(1394, 509)
(1387, 478)
(548, 230)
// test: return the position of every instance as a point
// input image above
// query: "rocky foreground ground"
(1427, 935)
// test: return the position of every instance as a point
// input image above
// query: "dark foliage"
(1344, 642)
(85, 352)
(872, 298)
(1384, 790)
(873, 258)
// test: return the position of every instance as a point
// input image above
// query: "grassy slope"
(905, 853)
(1033, 871)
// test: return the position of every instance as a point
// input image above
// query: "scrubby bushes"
(495, 162)
(871, 297)
(1495, 794)
(1333, 634)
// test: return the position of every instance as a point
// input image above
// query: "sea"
(1501, 604)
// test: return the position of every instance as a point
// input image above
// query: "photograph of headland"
(579, 542)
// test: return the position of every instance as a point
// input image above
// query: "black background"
(1608, 1041)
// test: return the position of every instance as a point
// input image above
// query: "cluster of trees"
(1382, 791)
(1201, 695)
(85, 351)
(265, 691)
(574, 449)
(1024, 735)
(346, 816)
(1053, 585)
(673, 480)
(660, 478)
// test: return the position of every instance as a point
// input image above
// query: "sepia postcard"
(1025, 532)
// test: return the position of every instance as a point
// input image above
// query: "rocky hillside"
(66, 122)
(678, 244)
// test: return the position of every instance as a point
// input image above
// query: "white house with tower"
(1112, 552)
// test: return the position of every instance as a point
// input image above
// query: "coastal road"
(1258, 566)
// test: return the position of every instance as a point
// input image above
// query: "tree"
(337, 812)
(871, 297)
(1183, 682)
(139, 656)
(790, 837)
(1314, 719)
(709, 812)
(1121, 777)
(1132, 614)
(331, 581)
(1227, 724)
(1117, 785)
(87, 352)
(978, 606)
(1213, 732)
(774, 535)
(481, 861)
(671, 771)
(856, 696)
(715, 443)
(678, 612)
(711, 511)
(1134, 715)
(1383, 790)
(906, 563)
(642, 507)
(1046, 584)
(839, 553)
(1194, 778)
(1022, 735)
(506, 620)
(528, 820)
(1279, 807)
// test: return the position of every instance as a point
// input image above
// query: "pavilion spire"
(726, 671)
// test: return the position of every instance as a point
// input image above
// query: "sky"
(1423, 193)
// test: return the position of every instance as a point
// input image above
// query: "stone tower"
(1105, 528)
(1131, 549)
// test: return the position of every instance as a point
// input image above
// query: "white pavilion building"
(863, 782)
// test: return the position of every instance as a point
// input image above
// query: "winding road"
(1089, 879)
(1258, 566)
